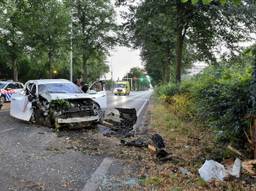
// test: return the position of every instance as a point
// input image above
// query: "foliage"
(140, 80)
(237, 2)
(172, 34)
(219, 97)
(35, 38)
(94, 33)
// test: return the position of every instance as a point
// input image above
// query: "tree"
(197, 29)
(11, 37)
(139, 78)
(46, 29)
(94, 33)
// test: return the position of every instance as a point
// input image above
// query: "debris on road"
(136, 143)
(212, 170)
(155, 145)
(121, 122)
(184, 171)
(235, 168)
(158, 141)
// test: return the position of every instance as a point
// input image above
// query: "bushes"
(219, 97)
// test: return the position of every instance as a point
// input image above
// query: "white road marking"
(6, 130)
(142, 107)
(97, 177)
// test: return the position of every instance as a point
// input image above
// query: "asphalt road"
(35, 158)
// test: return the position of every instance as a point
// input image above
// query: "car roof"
(49, 81)
(8, 82)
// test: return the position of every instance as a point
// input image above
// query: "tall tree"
(46, 28)
(11, 37)
(94, 33)
(196, 28)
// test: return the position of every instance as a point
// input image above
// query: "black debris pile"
(154, 143)
(121, 122)
(159, 148)
(139, 142)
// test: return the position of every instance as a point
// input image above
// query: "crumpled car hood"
(56, 96)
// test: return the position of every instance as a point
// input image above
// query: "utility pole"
(71, 45)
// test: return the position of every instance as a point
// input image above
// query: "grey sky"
(122, 59)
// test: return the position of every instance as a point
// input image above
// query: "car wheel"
(2, 100)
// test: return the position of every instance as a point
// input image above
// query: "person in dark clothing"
(78, 82)
(84, 87)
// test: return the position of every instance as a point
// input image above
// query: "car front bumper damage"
(78, 119)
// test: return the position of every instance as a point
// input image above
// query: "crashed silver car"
(59, 102)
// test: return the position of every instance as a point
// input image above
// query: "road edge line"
(98, 175)
(142, 108)
(140, 113)
(6, 130)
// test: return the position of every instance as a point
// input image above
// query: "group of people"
(81, 84)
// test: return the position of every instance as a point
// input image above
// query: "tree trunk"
(15, 70)
(84, 67)
(50, 64)
(167, 66)
(179, 40)
(253, 137)
(179, 47)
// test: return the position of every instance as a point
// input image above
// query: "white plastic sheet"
(212, 170)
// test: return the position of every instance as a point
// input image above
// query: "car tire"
(2, 100)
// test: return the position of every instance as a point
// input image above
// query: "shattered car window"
(59, 88)
(2, 85)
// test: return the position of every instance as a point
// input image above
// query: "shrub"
(219, 97)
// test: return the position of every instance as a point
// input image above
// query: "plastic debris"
(184, 171)
(236, 170)
(212, 170)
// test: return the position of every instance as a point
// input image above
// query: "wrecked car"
(59, 102)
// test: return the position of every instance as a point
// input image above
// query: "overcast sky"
(122, 59)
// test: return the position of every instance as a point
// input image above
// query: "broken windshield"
(59, 88)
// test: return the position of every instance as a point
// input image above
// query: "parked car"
(7, 89)
(59, 102)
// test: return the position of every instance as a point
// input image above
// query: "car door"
(98, 93)
(21, 107)
(18, 87)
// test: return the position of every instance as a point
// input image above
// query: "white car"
(59, 102)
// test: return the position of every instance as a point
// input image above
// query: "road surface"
(36, 158)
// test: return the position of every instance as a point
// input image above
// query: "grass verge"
(190, 144)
